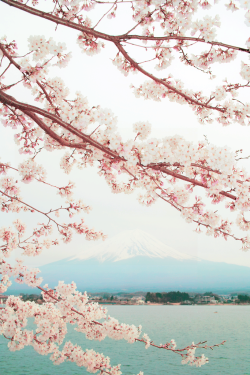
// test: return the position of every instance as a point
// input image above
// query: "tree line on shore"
(163, 297)
(178, 297)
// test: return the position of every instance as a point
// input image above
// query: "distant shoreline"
(2, 306)
(172, 304)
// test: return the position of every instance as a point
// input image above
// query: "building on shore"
(138, 300)
(199, 299)
(186, 302)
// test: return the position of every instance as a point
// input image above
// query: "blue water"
(162, 323)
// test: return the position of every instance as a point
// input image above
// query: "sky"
(98, 79)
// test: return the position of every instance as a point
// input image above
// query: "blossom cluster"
(143, 129)
(29, 170)
(245, 71)
(89, 45)
(232, 112)
(123, 65)
(206, 27)
(22, 273)
(5, 283)
(192, 360)
(164, 57)
(42, 47)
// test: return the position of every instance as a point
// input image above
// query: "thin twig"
(105, 14)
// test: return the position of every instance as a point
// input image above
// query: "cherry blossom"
(170, 169)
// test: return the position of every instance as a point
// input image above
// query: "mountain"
(130, 244)
(134, 260)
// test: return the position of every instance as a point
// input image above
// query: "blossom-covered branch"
(51, 319)
(176, 19)
(144, 161)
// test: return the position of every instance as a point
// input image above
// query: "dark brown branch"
(190, 180)
(5, 69)
(164, 83)
(125, 37)
(72, 309)
(30, 207)
(31, 111)
(117, 41)
(112, 38)
(10, 58)
(105, 14)
(47, 97)
(52, 134)
(57, 20)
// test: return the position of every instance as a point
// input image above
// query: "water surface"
(162, 323)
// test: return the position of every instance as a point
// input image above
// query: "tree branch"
(112, 38)
(162, 82)
(31, 111)
(117, 41)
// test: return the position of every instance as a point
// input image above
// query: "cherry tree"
(170, 169)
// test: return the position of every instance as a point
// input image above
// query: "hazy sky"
(98, 79)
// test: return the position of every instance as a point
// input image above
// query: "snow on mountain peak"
(129, 244)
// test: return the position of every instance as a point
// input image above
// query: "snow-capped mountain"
(134, 260)
(130, 244)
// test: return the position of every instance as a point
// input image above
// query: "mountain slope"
(130, 244)
(134, 260)
(148, 274)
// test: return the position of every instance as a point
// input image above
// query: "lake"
(162, 323)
